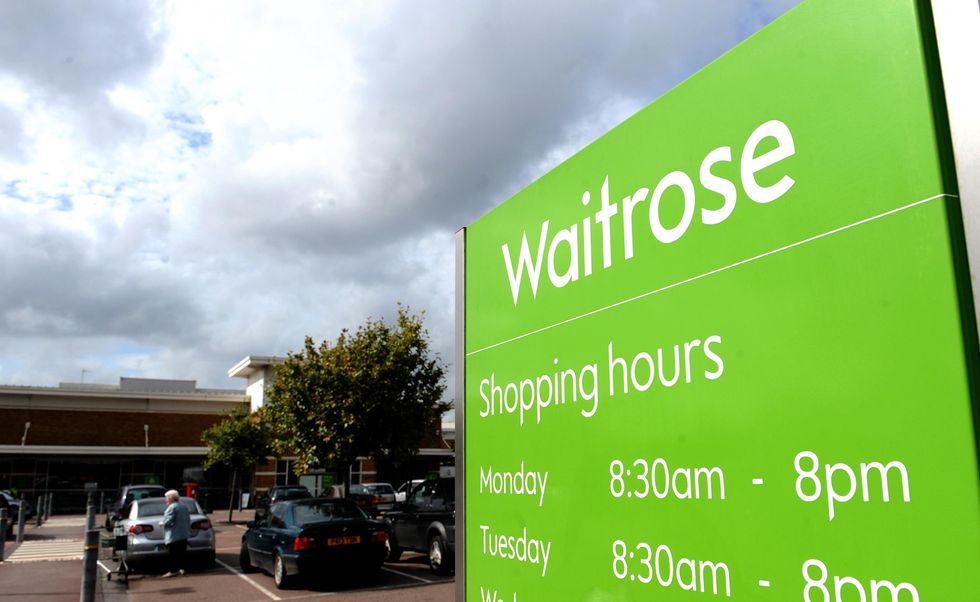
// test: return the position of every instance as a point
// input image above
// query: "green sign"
(721, 353)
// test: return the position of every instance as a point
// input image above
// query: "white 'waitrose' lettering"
(750, 165)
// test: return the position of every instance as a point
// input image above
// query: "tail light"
(139, 529)
(304, 543)
(201, 525)
(375, 500)
(379, 536)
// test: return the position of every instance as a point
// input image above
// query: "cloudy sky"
(184, 184)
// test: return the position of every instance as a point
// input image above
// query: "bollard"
(90, 517)
(37, 517)
(48, 504)
(89, 560)
(3, 533)
(21, 517)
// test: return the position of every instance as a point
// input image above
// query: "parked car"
(373, 497)
(280, 493)
(426, 522)
(12, 504)
(318, 536)
(401, 494)
(142, 521)
(126, 496)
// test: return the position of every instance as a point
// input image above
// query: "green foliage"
(239, 441)
(375, 392)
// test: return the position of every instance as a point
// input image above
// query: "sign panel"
(721, 352)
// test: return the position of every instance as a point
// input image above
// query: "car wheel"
(209, 560)
(245, 561)
(283, 581)
(439, 560)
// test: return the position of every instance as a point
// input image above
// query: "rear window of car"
(380, 488)
(325, 510)
(155, 507)
(141, 494)
(293, 494)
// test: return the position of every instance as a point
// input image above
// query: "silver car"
(142, 522)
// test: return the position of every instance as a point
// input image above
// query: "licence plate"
(343, 541)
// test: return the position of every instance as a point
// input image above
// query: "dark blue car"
(320, 536)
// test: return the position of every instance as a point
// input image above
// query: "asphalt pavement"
(48, 566)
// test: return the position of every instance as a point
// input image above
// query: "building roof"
(129, 387)
(253, 363)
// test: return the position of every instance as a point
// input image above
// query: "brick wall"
(65, 427)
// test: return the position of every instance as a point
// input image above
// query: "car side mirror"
(251, 524)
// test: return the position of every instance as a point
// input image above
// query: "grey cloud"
(69, 54)
(466, 96)
(58, 284)
(11, 134)
(462, 102)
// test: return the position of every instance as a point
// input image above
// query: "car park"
(426, 523)
(142, 522)
(126, 496)
(314, 537)
(401, 494)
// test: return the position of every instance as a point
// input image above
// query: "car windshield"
(379, 489)
(155, 507)
(325, 510)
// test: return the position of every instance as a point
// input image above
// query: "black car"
(314, 537)
(426, 523)
(280, 493)
(12, 506)
(126, 495)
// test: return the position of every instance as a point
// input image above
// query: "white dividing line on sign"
(763, 583)
(757, 481)
(713, 272)
(251, 581)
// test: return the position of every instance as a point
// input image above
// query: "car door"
(263, 537)
(436, 510)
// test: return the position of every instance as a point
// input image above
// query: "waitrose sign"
(579, 249)
(721, 353)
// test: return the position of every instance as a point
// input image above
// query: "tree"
(376, 393)
(240, 441)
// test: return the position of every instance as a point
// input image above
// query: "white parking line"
(251, 581)
(384, 568)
